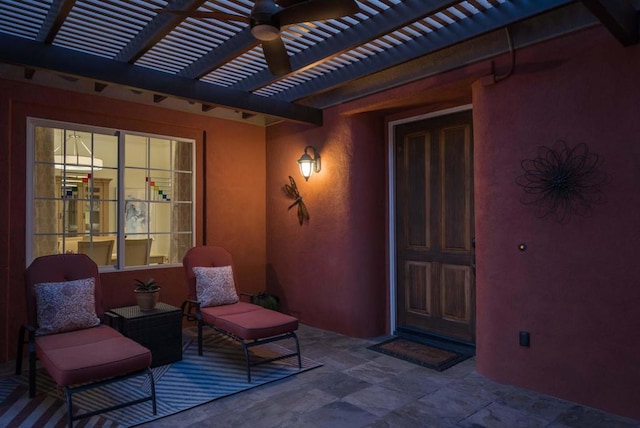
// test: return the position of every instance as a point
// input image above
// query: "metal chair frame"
(188, 307)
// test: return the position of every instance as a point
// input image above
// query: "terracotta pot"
(147, 300)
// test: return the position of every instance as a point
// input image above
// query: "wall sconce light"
(308, 164)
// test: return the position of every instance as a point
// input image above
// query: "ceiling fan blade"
(277, 57)
(316, 10)
(287, 3)
(221, 16)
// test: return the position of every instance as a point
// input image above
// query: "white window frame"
(32, 123)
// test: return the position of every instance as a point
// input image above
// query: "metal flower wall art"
(291, 190)
(563, 181)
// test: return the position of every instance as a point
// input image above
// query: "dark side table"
(160, 330)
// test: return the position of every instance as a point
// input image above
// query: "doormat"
(419, 353)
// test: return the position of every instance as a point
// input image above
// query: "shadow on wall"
(275, 288)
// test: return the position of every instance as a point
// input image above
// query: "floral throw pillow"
(215, 286)
(65, 306)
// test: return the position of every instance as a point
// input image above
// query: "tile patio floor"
(357, 387)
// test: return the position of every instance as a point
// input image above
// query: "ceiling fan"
(267, 17)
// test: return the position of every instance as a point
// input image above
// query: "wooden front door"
(434, 212)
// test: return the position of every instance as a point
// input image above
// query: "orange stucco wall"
(231, 213)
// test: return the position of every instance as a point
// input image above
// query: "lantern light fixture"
(309, 165)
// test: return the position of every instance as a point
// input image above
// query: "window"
(125, 199)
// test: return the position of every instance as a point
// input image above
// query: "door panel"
(417, 293)
(456, 293)
(417, 207)
(434, 179)
(455, 200)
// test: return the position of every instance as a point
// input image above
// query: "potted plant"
(147, 293)
(266, 300)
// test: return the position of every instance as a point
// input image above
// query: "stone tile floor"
(357, 387)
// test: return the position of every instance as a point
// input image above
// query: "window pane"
(136, 212)
(182, 218)
(160, 217)
(109, 210)
(159, 153)
(44, 143)
(136, 251)
(159, 247)
(180, 243)
(45, 220)
(44, 184)
(182, 187)
(159, 185)
(68, 244)
(183, 156)
(74, 151)
(135, 151)
(44, 245)
(100, 250)
(105, 149)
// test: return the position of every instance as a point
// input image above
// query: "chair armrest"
(112, 320)
(189, 307)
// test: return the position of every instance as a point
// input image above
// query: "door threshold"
(437, 341)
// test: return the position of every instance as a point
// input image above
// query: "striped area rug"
(195, 380)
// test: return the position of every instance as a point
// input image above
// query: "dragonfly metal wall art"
(291, 190)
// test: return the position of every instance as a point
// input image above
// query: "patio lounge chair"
(65, 333)
(247, 323)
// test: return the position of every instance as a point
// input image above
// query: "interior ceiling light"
(75, 155)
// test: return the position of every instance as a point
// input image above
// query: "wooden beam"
(619, 17)
(161, 25)
(57, 14)
(565, 20)
(37, 55)
(377, 26)
(227, 51)
(492, 19)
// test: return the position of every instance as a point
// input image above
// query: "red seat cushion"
(258, 324)
(91, 354)
(211, 313)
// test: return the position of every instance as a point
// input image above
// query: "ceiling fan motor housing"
(264, 20)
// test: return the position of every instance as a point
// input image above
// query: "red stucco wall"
(331, 271)
(577, 287)
(234, 214)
